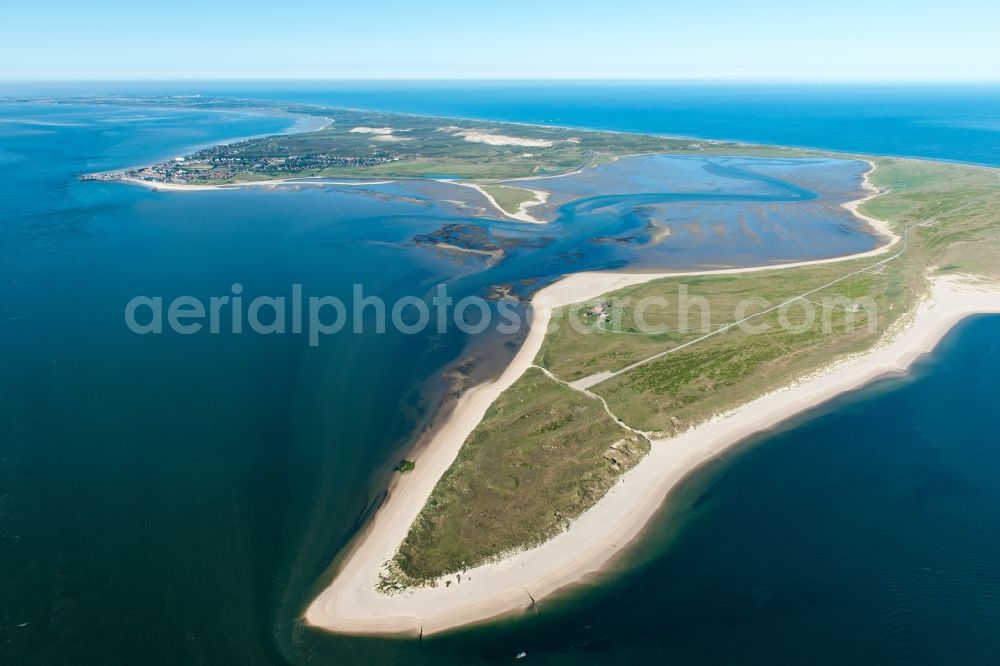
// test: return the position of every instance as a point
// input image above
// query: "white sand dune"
(371, 130)
(476, 136)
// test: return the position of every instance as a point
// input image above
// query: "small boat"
(521, 655)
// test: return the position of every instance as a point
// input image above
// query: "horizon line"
(384, 79)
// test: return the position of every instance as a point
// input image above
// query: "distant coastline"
(347, 147)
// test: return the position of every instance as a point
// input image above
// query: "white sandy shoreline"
(352, 604)
(158, 186)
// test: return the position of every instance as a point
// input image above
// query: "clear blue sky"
(710, 39)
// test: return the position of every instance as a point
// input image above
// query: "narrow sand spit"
(522, 214)
(187, 187)
(352, 604)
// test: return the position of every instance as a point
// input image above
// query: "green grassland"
(683, 308)
(536, 460)
(426, 146)
(509, 198)
(679, 390)
(430, 147)
(542, 455)
(964, 202)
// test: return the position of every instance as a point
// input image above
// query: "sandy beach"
(187, 187)
(881, 227)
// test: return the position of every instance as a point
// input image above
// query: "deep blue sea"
(171, 499)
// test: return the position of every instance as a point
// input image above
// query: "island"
(540, 479)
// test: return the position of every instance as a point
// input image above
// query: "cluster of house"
(179, 172)
(600, 311)
(621, 453)
(226, 166)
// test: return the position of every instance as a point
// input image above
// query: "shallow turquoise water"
(170, 499)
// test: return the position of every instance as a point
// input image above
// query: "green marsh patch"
(542, 455)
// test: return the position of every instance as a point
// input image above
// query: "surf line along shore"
(352, 604)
